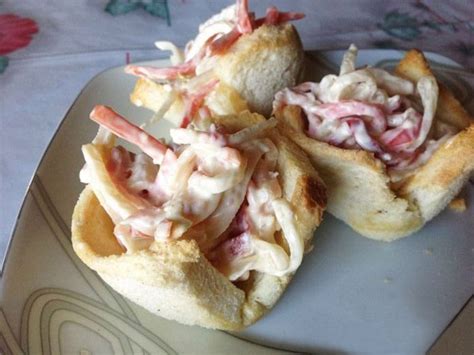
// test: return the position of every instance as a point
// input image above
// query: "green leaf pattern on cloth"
(15, 33)
(115, 7)
(411, 26)
(157, 8)
(420, 22)
(401, 25)
(3, 63)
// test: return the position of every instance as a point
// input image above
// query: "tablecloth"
(49, 49)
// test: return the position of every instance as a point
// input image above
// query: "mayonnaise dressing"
(205, 184)
(177, 55)
(373, 110)
(265, 213)
(216, 26)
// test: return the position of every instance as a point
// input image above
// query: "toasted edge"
(414, 66)
(437, 182)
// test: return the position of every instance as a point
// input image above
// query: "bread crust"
(223, 100)
(257, 66)
(414, 66)
(359, 188)
(437, 182)
(174, 279)
(261, 63)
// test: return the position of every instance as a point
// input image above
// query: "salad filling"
(219, 189)
(373, 110)
(191, 77)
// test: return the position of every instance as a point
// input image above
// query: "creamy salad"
(219, 189)
(373, 110)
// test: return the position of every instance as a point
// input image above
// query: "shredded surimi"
(370, 109)
(206, 183)
(111, 120)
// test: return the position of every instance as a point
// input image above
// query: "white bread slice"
(439, 181)
(223, 100)
(175, 280)
(262, 63)
(359, 189)
(257, 66)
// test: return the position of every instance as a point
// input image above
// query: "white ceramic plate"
(350, 294)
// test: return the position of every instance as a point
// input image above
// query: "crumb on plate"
(458, 204)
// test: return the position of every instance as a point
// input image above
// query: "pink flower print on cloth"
(15, 33)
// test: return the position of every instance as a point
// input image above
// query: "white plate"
(351, 293)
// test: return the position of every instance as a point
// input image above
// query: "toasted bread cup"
(359, 188)
(257, 66)
(174, 279)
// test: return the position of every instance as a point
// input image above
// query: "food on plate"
(393, 149)
(207, 229)
(458, 204)
(236, 62)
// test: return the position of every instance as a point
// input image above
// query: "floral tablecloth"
(50, 49)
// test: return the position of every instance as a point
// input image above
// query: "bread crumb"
(458, 204)
(428, 251)
(387, 280)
